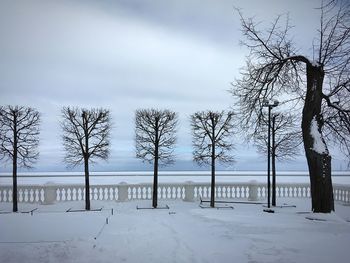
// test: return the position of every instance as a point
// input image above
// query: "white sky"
(129, 54)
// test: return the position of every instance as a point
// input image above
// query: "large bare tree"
(19, 140)
(86, 135)
(318, 82)
(155, 139)
(212, 141)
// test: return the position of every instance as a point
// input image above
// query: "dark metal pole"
(268, 160)
(273, 162)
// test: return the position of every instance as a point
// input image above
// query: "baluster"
(69, 194)
(26, 195)
(200, 193)
(99, 193)
(115, 193)
(144, 192)
(134, 192)
(173, 192)
(170, 192)
(37, 195)
(80, 194)
(179, 193)
(74, 194)
(130, 193)
(20, 195)
(33, 195)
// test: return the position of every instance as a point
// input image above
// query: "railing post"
(189, 191)
(123, 192)
(49, 194)
(253, 190)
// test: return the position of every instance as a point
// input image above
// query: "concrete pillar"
(189, 191)
(253, 190)
(49, 193)
(123, 192)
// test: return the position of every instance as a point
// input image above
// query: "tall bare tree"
(212, 140)
(275, 67)
(85, 138)
(155, 140)
(19, 140)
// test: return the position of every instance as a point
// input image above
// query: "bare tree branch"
(288, 137)
(155, 129)
(81, 124)
(19, 132)
(212, 128)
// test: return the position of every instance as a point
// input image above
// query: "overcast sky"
(130, 54)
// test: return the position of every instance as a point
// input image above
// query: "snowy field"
(183, 233)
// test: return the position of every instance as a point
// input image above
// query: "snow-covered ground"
(183, 233)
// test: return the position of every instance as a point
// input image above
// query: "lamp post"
(273, 161)
(269, 104)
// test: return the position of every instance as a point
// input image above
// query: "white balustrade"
(188, 191)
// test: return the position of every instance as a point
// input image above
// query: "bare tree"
(155, 140)
(212, 140)
(286, 139)
(85, 138)
(19, 140)
(275, 68)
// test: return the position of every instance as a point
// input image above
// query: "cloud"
(122, 55)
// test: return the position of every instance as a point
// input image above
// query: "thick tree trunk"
(212, 187)
(14, 166)
(87, 184)
(317, 155)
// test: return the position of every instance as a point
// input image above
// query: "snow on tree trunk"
(317, 155)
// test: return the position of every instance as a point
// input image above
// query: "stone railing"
(189, 191)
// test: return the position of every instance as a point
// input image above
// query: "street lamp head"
(270, 103)
(265, 103)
